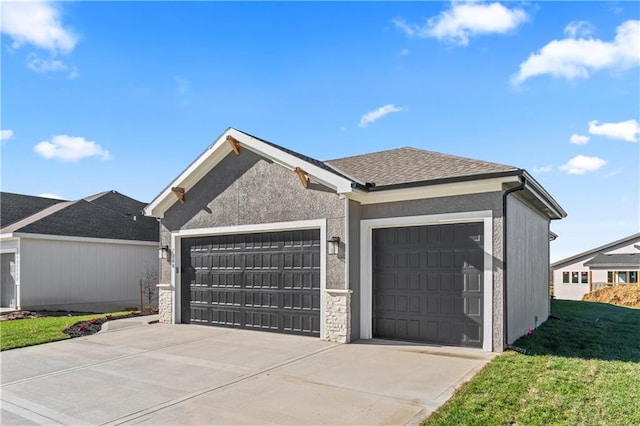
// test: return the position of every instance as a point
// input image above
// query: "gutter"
(505, 194)
(454, 179)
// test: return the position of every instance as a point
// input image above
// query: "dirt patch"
(624, 295)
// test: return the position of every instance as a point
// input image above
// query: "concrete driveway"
(186, 374)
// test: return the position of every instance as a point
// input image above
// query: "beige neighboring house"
(83, 255)
(614, 263)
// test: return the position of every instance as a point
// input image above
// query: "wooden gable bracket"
(179, 192)
(304, 177)
(235, 145)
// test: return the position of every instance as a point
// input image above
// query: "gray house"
(82, 255)
(403, 244)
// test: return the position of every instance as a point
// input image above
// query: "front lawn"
(33, 331)
(582, 367)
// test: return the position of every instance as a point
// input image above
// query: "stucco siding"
(354, 266)
(464, 203)
(527, 269)
(83, 276)
(246, 189)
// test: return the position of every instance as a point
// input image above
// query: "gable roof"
(590, 253)
(94, 217)
(616, 260)
(16, 207)
(409, 165)
(357, 176)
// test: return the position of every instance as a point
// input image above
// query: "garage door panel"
(267, 281)
(436, 299)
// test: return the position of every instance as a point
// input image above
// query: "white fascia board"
(188, 178)
(543, 196)
(325, 177)
(83, 239)
(220, 149)
(432, 191)
(8, 236)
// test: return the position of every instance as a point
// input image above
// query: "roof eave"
(218, 150)
(589, 253)
(441, 181)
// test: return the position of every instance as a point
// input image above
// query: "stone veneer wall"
(165, 303)
(338, 316)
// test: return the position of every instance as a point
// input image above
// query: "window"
(585, 277)
(574, 277)
(621, 277)
(565, 277)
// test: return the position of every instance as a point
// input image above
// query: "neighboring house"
(403, 244)
(614, 263)
(85, 255)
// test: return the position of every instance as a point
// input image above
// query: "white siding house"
(87, 255)
(577, 275)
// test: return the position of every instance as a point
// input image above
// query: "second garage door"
(265, 281)
(427, 283)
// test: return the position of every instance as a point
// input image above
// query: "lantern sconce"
(333, 246)
(162, 252)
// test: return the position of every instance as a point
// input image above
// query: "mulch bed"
(83, 328)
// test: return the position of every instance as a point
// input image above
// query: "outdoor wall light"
(333, 245)
(162, 252)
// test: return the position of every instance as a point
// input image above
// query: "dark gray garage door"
(264, 281)
(427, 283)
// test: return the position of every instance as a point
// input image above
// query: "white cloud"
(6, 134)
(581, 164)
(545, 169)
(579, 139)
(50, 195)
(576, 57)
(37, 23)
(465, 20)
(73, 74)
(579, 28)
(625, 130)
(376, 114)
(70, 148)
(40, 65)
(404, 52)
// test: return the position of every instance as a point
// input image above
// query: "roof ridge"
(33, 196)
(411, 148)
(12, 227)
(593, 251)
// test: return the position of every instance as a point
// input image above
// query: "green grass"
(34, 331)
(582, 368)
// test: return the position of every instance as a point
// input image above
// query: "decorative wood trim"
(235, 145)
(304, 177)
(179, 192)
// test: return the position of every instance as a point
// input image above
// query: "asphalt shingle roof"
(407, 165)
(15, 207)
(619, 260)
(106, 215)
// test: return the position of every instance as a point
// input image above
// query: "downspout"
(505, 194)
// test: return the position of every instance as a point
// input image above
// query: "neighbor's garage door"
(264, 281)
(427, 283)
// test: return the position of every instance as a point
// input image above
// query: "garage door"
(427, 283)
(263, 281)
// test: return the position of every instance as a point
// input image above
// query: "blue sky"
(124, 95)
